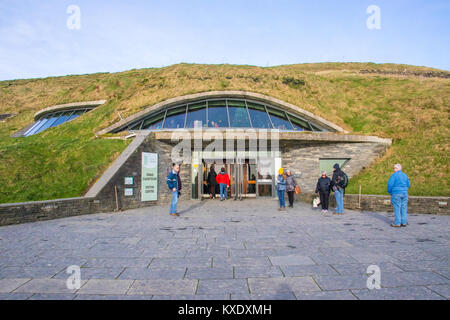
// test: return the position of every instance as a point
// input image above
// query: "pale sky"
(121, 35)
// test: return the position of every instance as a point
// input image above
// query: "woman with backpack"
(281, 189)
(338, 184)
(290, 187)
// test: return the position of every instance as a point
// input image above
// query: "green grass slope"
(406, 103)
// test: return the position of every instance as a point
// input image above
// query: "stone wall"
(132, 168)
(303, 157)
(382, 203)
(14, 213)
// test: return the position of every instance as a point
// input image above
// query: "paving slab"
(111, 297)
(29, 272)
(52, 296)
(105, 286)
(291, 260)
(258, 272)
(264, 296)
(153, 273)
(308, 270)
(203, 273)
(442, 289)
(163, 287)
(288, 284)
(325, 295)
(11, 284)
(404, 293)
(94, 273)
(194, 297)
(342, 282)
(212, 286)
(46, 286)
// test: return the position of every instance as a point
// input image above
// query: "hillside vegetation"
(406, 103)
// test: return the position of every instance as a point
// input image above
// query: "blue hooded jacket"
(398, 183)
(172, 180)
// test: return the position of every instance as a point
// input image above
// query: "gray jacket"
(290, 183)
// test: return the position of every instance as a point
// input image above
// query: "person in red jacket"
(224, 182)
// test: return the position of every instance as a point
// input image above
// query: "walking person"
(397, 187)
(173, 184)
(290, 187)
(281, 189)
(323, 188)
(339, 182)
(223, 180)
(212, 182)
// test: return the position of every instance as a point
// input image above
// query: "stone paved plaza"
(227, 250)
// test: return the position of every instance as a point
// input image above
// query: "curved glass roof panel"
(175, 118)
(279, 119)
(217, 114)
(258, 115)
(223, 113)
(238, 114)
(54, 119)
(196, 115)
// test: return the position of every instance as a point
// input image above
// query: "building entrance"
(249, 177)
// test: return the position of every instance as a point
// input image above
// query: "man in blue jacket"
(173, 184)
(397, 187)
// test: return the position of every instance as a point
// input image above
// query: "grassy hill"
(407, 103)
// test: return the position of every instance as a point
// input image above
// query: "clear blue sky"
(121, 35)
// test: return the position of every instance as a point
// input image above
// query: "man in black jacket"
(323, 188)
(212, 182)
(338, 189)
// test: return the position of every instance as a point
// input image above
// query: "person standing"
(397, 187)
(173, 184)
(323, 188)
(290, 187)
(281, 189)
(339, 182)
(223, 180)
(212, 182)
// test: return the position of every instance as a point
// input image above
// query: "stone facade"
(299, 152)
(303, 158)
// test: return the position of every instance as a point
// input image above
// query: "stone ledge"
(382, 203)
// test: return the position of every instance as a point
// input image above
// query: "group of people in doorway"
(221, 180)
(397, 187)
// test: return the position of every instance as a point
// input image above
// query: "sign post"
(149, 185)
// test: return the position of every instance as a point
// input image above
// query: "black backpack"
(343, 180)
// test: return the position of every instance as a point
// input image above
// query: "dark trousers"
(291, 197)
(212, 190)
(324, 199)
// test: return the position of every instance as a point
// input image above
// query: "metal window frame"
(226, 107)
(171, 108)
(265, 110)
(248, 115)
(287, 114)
